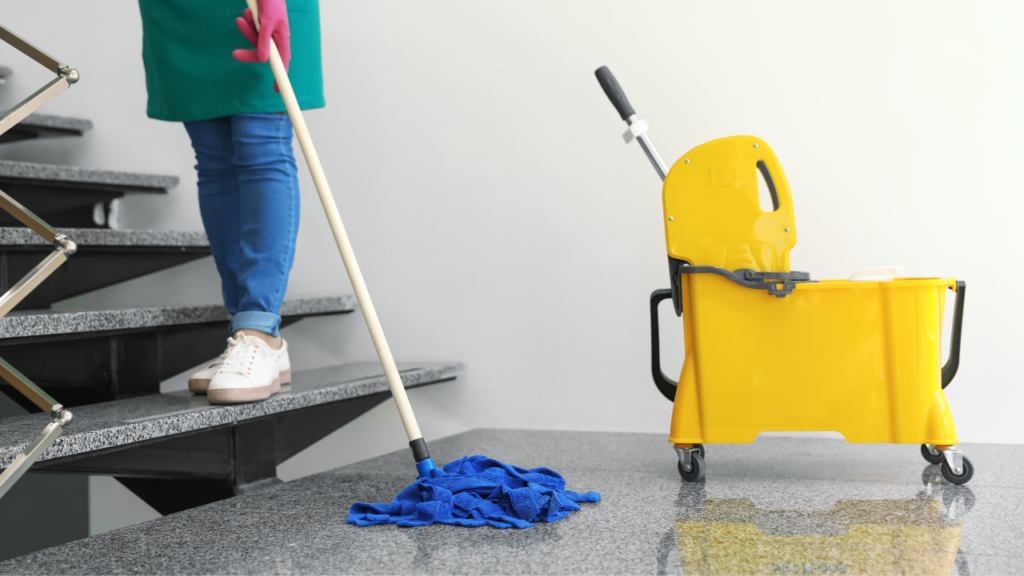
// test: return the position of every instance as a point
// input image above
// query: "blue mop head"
(477, 491)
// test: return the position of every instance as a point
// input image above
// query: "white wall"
(500, 221)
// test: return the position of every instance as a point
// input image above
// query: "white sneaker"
(200, 380)
(284, 364)
(248, 373)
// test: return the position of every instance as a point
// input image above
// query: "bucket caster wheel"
(931, 454)
(965, 475)
(696, 473)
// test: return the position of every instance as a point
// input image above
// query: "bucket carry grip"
(950, 368)
(666, 385)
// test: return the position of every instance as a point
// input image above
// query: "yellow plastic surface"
(858, 358)
(711, 196)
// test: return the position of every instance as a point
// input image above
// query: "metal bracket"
(685, 459)
(66, 76)
(63, 247)
(955, 458)
(635, 130)
(638, 129)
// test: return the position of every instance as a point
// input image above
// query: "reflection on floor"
(919, 535)
(777, 506)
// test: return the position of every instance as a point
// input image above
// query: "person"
(201, 71)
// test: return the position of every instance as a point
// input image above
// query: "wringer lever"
(63, 247)
(637, 128)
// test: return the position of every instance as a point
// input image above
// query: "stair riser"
(91, 367)
(91, 268)
(64, 204)
(183, 471)
(18, 133)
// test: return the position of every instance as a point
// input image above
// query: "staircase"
(173, 450)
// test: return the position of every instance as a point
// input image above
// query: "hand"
(273, 25)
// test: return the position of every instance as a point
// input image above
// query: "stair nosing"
(36, 172)
(84, 237)
(42, 322)
(55, 122)
(125, 432)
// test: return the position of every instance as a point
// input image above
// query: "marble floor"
(778, 506)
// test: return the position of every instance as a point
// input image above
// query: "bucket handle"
(666, 385)
(949, 369)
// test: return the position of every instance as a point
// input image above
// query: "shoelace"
(241, 354)
(232, 342)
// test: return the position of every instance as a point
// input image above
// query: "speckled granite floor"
(778, 506)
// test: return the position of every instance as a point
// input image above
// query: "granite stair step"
(99, 355)
(104, 258)
(46, 126)
(177, 451)
(72, 197)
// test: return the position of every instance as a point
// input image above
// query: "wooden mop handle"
(347, 255)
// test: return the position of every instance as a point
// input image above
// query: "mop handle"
(347, 255)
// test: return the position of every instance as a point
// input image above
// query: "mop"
(471, 491)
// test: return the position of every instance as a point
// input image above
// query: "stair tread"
(20, 324)
(52, 122)
(121, 422)
(128, 181)
(14, 236)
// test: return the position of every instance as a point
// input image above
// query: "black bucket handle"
(950, 368)
(666, 385)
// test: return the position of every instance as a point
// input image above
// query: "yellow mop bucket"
(768, 349)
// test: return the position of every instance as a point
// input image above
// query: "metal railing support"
(63, 247)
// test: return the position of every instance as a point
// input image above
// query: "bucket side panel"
(687, 426)
(842, 359)
(913, 322)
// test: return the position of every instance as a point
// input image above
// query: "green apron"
(190, 74)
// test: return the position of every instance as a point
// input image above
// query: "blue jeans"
(249, 200)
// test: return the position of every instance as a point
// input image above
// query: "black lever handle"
(949, 370)
(614, 92)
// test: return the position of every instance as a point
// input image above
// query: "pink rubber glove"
(273, 24)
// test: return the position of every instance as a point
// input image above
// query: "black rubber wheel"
(933, 458)
(701, 448)
(963, 478)
(696, 473)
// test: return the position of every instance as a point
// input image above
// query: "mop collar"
(477, 491)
